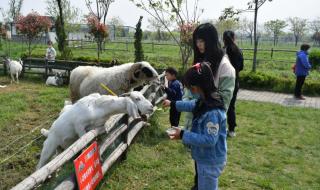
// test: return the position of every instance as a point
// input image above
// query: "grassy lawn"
(24, 108)
(276, 148)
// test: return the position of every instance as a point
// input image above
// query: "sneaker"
(231, 134)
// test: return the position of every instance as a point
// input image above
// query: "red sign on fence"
(88, 168)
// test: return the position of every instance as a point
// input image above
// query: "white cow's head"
(137, 105)
(142, 72)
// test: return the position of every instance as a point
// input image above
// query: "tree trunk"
(254, 64)
(98, 46)
(29, 47)
(296, 40)
(62, 34)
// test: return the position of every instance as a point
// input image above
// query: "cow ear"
(132, 109)
(135, 70)
(136, 74)
(147, 72)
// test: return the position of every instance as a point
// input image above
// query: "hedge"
(314, 58)
(269, 82)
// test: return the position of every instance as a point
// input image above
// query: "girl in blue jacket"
(207, 137)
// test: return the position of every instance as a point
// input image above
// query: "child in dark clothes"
(174, 92)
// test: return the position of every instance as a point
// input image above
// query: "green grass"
(276, 148)
(24, 107)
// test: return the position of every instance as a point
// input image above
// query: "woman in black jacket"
(236, 59)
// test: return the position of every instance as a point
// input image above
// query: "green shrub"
(273, 82)
(138, 50)
(314, 58)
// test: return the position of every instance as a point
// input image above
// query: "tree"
(71, 15)
(275, 27)
(98, 30)
(316, 38)
(181, 15)
(60, 31)
(247, 27)
(298, 27)
(32, 25)
(158, 27)
(3, 34)
(117, 25)
(253, 6)
(14, 11)
(101, 8)
(137, 42)
(314, 26)
(226, 24)
(98, 10)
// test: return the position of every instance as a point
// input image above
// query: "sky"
(129, 13)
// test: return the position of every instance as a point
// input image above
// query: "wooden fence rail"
(115, 128)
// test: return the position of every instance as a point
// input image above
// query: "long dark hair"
(213, 52)
(234, 53)
(201, 75)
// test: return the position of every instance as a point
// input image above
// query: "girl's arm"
(226, 87)
(211, 132)
(184, 106)
(226, 75)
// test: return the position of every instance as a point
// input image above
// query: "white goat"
(56, 80)
(88, 113)
(85, 80)
(15, 68)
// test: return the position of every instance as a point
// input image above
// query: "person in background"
(236, 59)
(50, 54)
(302, 68)
(207, 137)
(174, 92)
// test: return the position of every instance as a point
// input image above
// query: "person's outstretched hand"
(176, 135)
(166, 103)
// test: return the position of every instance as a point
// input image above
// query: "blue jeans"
(208, 176)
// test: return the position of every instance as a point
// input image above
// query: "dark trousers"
(231, 114)
(299, 84)
(174, 117)
(195, 187)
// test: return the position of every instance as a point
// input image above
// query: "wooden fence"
(42, 66)
(117, 128)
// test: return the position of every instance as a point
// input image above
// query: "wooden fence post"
(46, 69)
(125, 138)
(271, 53)
(23, 68)
(127, 45)
(152, 47)
(4, 68)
